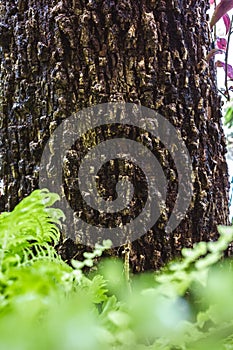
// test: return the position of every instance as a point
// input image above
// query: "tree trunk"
(58, 58)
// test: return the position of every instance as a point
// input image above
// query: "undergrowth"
(46, 304)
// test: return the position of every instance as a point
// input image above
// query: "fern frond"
(27, 232)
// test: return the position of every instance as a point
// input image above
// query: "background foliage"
(46, 304)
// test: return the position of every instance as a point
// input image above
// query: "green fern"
(27, 232)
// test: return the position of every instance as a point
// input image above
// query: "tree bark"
(60, 57)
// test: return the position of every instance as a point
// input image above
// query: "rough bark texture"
(59, 57)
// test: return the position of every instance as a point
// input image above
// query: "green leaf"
(228, 118)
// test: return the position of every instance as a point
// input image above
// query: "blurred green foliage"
(228, 118)
(46, 304)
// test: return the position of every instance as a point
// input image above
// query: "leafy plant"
(222, 44)
(220, 11)
(27, 232)
(46, 304)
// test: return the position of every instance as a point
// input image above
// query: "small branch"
(222, 93)
(226, 60)
(215, 30)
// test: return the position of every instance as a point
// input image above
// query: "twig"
(215, 30)
(222, 93)
(126, 252)
(226, 60)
